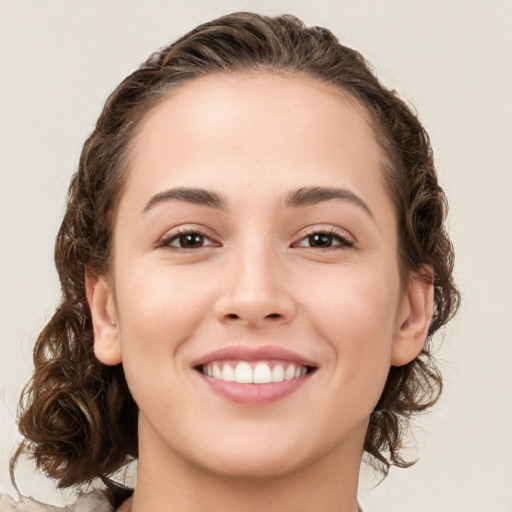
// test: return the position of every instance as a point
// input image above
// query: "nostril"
(273, 315)
(232, 316)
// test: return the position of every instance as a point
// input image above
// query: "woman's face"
(255, 241)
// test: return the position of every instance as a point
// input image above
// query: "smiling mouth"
(254, 372)
(254, 375)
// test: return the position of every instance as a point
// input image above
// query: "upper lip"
(250, 353)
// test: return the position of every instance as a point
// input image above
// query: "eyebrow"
(304, 196)
(313, 195)
(198, 196)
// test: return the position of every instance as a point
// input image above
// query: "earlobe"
(100, 297)
(414, 321)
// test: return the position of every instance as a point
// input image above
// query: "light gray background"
(452, 59)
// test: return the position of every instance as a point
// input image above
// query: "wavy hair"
(77, 416)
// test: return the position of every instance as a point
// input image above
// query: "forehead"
(264, 104)
(265, 129)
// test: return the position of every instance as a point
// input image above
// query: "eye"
(324, 240)
(187, 240)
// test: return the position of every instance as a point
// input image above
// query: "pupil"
(191, 240)
(320, 240)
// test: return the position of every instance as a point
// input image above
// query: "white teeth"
(217, 372)
(262, 374)
(228, 374)
(243, 373)
(278, 373)
(289, 374)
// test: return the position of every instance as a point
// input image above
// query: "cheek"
(158, 313)
(358, 321)
(361, 302)
(159, 302)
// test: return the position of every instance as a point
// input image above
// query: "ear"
(414, 318)
(100, 297)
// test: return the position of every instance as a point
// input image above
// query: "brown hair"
(77, 415)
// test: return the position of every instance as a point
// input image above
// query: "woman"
(253, 260)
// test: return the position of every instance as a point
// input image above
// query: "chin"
(264, 453)
(256, 465)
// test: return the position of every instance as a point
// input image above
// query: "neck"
(169, 483)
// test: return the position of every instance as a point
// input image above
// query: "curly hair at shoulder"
(77, 415)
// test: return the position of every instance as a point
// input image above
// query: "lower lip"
(254, 394)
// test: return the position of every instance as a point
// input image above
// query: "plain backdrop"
(452, 60)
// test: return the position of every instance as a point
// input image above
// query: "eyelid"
(347, 241)
(174, 233)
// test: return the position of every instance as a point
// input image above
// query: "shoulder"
(93, 501)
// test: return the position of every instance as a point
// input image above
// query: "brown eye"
(187, 240)
(190, 240)
(324, 240)
(320, 240)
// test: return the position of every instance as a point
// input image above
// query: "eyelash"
(176, 235)
(343, 243)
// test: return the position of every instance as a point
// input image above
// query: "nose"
(257, 291)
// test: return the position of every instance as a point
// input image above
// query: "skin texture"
(256, 281)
